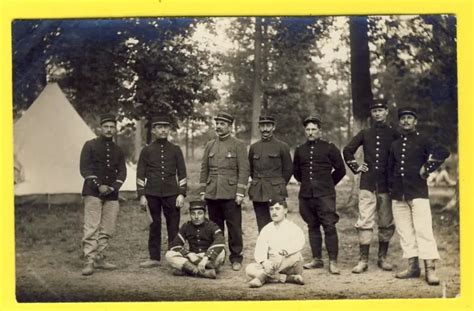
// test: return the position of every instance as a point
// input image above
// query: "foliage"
(132, 67)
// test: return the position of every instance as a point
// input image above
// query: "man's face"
(379, 114)
(222, 127)
(312, 131)
(408, 122)
(108, 129)
(266, 129)
(161, 130)
(278, 212)
(197, 216)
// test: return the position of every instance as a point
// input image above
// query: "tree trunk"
(138, 140)
(360, 68)
(361, 88)
(257, 85)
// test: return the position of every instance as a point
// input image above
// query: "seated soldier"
(206, 251)
(277, 251)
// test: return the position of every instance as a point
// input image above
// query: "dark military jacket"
(102, 163)
(407, 155)
(270, 168)
(207, 237)
(224, 169)
(161, 170)
(376, 142)
(318, 166)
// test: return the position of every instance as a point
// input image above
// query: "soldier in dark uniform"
(373, 195)
(318, 166)
(223, 183)
(102, 165)
(270, 168)
(412, 158)
(206, 245)
(161, 184)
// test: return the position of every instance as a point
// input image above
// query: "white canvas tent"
(48, 140)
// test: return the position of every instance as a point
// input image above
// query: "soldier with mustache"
(270, 168)
(318, 166)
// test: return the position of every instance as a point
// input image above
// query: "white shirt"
(273, 238)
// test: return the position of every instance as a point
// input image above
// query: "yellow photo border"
(37, 9)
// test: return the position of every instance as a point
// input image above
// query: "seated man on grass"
(278, 250)
(205, 252)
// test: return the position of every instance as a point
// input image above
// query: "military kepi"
(266, 119)
(160, 120)
(194, 205)
(222, 116)
(107, 117)
(312, 119)
(407, 110)
(378, 103)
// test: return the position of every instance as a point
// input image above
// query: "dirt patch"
(48, 262)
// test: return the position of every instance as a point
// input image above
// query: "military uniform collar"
(223, 138)
(380, 125)
(267, 139)
(411, 134)
(105, 139)
(317, 140)
(161, 140)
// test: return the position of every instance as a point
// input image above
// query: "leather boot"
(430, 272)
(208, 274)
(333, 269)
(190, 269)
(363, 263)
(383, 262)
(88, 268)
(413, 270)
(258, 281)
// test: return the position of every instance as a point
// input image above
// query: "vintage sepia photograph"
(250, 158)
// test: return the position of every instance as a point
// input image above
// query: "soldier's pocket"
(279, 187)
(231, 158)
(274, 159)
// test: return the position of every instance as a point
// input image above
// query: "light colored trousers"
(177, 260)
(290, 265)
(414, 225)
(372, 205)
(100, 218)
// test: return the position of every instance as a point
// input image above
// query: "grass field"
(48, 260)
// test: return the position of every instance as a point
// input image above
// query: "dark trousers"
(262, 214)
(317, 212)
(172, 216)
(230, 212)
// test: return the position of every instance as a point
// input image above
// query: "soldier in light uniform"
(278, 250)
(412, 158)
(161, 185)
(374, 200)
(102, 165)
(205, 252)
(223, 183)
(270, 168)
(318, 166)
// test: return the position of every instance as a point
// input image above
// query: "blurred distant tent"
(48, 140)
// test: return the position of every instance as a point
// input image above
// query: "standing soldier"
(412, 158)
(318, 166)
(223, 182)
(373, 195)
(270, 168)
(161, 184)
(103, 167)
